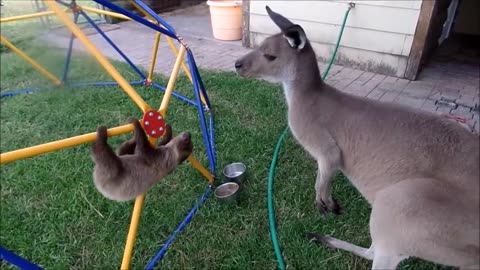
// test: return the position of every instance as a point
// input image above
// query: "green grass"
(52, 214)
(23, 32)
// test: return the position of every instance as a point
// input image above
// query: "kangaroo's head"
(279, 57)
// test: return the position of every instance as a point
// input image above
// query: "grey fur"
(418, 171)
(138, 165)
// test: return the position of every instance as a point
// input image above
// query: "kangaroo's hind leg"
(103, 155)
(334, 243)
(424, 218)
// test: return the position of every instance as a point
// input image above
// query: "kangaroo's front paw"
(328, 206)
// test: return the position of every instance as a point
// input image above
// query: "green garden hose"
(271, 212)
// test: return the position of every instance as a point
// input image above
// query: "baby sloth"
(138, 165)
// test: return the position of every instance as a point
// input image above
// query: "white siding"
(382, 30)
(408, 4)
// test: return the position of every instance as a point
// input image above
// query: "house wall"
(377, 37)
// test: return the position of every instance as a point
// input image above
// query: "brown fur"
(419, 171)
(138, 165)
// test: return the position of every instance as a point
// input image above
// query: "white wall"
(377, 37)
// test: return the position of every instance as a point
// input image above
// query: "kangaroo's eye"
(270, 57)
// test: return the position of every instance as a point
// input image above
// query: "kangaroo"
(137, 166)
(418, 171)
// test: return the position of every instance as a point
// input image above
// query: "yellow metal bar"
(132, 232)
(32, 62)
(99, 56)
(154, 56)
(26, 16)
(105, 12)
(175, 52)
(171, 82)
(197, 165)
(173, 48)
(141, 10)
(184, 67)
(149, 18)
(60, 144)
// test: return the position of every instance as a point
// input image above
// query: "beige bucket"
(227, 19)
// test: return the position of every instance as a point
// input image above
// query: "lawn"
(52, 214)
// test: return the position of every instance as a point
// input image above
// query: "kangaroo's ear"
(282, 22)
(295, 36)
(292, 32)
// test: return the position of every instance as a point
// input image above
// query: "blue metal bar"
(212, 137)
(94, 25)
(181, 227)
(100, 83)
(206, 138)
(69, 52)
(16, 260)
(17, 92)
(179, 96)
(70, 5)
(198, 79)
(63, 3)
(155, 15)
(159, 86)
(196, 74)
(136, 17)
(199, 84)
(203, 122)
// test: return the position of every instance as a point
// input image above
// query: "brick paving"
(444, 87)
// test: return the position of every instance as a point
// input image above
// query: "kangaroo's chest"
(310, 135)
(307, 123)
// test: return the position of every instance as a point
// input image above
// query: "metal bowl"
(227, 191)
(235, 172)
